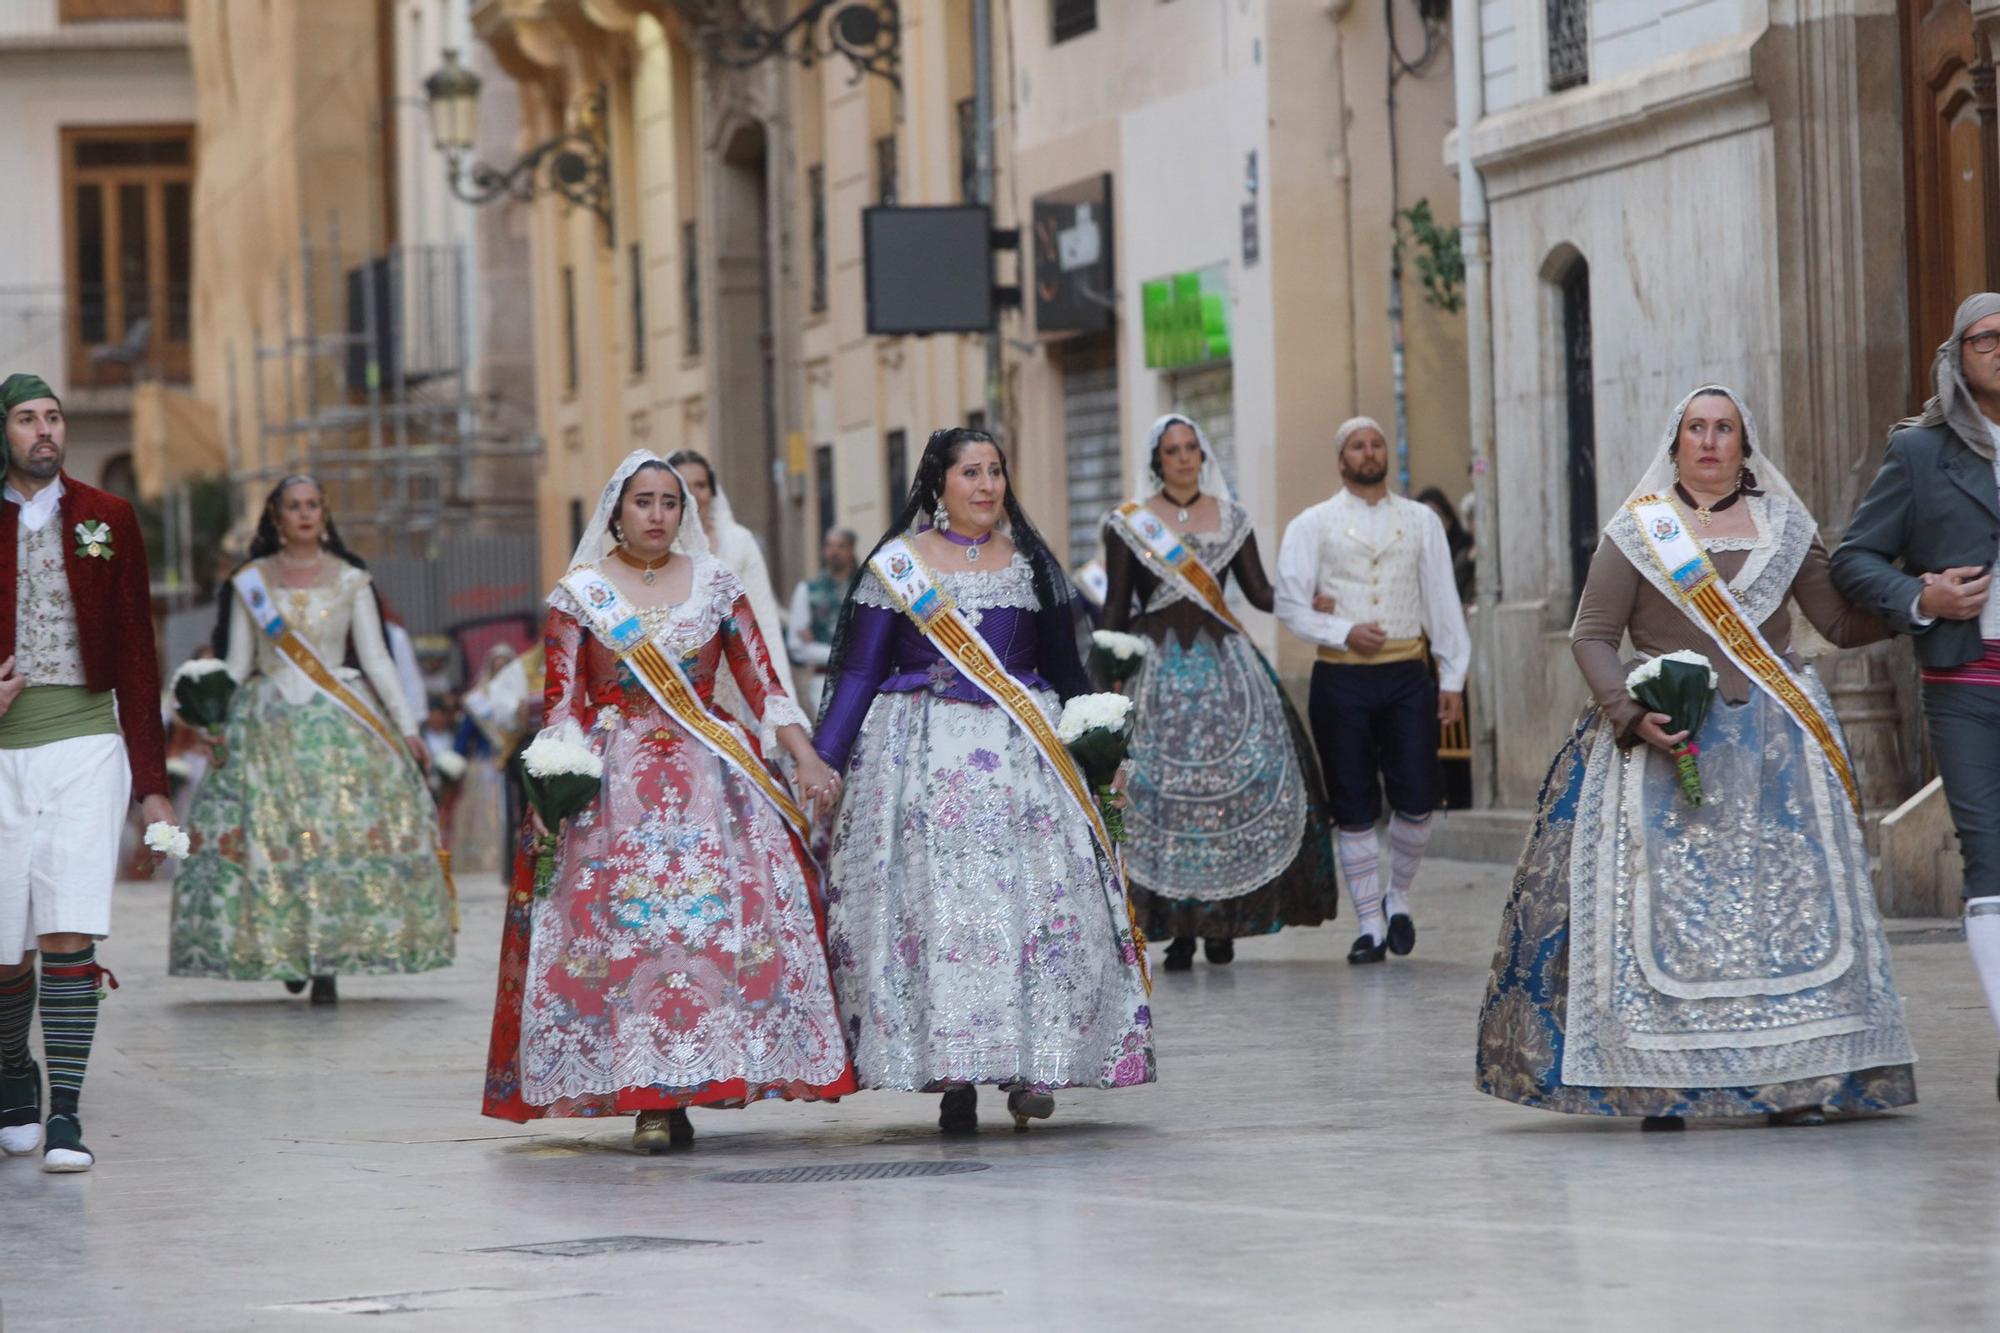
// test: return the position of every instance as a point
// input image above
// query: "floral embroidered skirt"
(1525, 1019)
(314, 852)
(677, 957)
(975, 932)
(1228, 830)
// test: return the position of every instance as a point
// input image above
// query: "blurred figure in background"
(736, 547)
(815, 611)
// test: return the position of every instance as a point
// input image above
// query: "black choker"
(1184, 505)
(1705, 514)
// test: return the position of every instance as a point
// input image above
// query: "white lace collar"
(689, 623)
(1009, 585)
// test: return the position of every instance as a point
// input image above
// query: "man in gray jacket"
(1920, 553)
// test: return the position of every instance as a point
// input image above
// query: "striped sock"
(1361, 863)
(69, 1022)
(1407, 839)
(17, 1010)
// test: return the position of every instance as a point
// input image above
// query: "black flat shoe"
(1180, 955)
(1219, 952)
(323, 991)
(1366, 950)
(1655, 1123)
(958, 1111)
(680, 1130)
(296, 987)
(1402, 934)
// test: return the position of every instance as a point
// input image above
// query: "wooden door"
(1952, 181)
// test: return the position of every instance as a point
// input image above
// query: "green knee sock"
(17, 1010)
(69, 1022)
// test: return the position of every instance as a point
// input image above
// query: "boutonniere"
(94, 540)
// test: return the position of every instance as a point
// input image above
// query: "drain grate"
(595, 1245)
(813, 1175)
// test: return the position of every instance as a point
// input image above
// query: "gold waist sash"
(1394, 650)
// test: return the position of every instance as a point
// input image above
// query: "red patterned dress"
(679, 959)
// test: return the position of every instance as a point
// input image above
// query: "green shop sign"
(1186, 318)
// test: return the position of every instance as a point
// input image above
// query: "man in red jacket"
(80, 736)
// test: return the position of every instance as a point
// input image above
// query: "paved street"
(1313, 1157)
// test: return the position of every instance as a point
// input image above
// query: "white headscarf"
(596, 543)
(1148, 482)
(1659, 475)
(1952, 405)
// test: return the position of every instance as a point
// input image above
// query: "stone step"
(1481, 835)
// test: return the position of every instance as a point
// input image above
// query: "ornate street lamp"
(573, 164)
(866, 32)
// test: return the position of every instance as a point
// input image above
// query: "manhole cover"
(811, 1175)
(593, 1245)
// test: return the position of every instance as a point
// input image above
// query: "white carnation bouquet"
(168, 840)
(1681, 685)
(203, 688)
(1097, 729)
(1115, 657)
(561, 776)
(449, 765)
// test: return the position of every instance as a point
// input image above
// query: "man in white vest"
(1366, 579)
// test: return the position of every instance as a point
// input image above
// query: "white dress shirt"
(37, 513)
(1418, 567)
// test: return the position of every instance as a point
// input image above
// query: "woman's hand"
(1652, 729)
(535, 823)
(819, 782)
(419, 752)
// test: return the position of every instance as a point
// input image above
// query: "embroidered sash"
(1688, 578)
(1163, 553)
(615, 621)
(916, 592)
(250, 586)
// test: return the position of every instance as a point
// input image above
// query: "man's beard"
(1361, 477)
(41, 469)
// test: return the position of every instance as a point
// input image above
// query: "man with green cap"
(80, 736)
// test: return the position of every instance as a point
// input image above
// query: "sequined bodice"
(322, 614)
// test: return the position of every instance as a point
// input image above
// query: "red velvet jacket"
(114, 601)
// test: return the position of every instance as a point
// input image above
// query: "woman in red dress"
(678, 956)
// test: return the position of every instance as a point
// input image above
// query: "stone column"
(1830, 71)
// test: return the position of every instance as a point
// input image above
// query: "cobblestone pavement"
(1314, 1156)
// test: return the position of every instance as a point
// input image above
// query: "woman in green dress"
(315, 840)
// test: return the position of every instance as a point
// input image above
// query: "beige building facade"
(1242, 149)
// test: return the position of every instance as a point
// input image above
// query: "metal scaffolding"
(369, 388)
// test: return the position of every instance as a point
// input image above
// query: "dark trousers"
(1965, 736)
(1376, 727)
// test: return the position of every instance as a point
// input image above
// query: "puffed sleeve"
(562, 642)
(750, 662)
(373, 649)
(864, 665)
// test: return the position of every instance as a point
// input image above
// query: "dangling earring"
(1742, 471)
(617, 534)
(940, 517)
(1677, 471)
